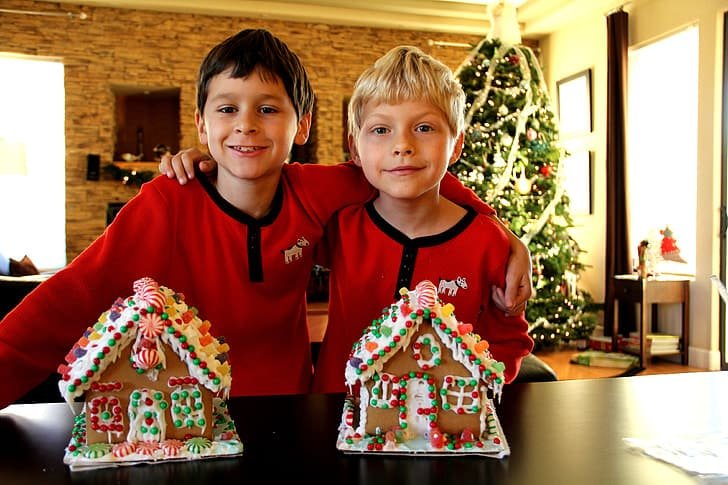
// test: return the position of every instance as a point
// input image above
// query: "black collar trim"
(425, 241)
(236, 213)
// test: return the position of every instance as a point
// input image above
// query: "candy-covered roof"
(153, 315)
(400, 321)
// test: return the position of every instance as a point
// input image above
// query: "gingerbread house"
(153, 382)
(422, 382)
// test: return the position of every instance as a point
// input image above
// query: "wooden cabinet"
(145, 117)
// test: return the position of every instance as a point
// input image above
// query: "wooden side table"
(648, 292)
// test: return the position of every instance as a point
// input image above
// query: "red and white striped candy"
(147, 358)
(120, 450)
(142, 283)
(151, 325)
(146, 291)
(171, 447)
(147, 448)
(426, 294)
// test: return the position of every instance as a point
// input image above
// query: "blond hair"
(405, 73)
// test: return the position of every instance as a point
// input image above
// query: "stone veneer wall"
(140, 47)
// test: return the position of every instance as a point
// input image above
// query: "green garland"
(129, 177)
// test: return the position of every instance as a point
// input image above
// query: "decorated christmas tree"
(513, 160)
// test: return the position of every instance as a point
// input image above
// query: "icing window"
(146, 415)
(105, 416)
(426, 351)
(460, 394)
(385, 392)
(188, 410)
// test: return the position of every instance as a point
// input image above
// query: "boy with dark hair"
(238, 243)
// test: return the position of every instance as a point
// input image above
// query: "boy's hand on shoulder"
(512, 305)
(182, 164)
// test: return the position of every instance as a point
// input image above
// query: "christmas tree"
(513, 160)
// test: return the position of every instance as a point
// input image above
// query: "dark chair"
(13, 289)
(46, 391)
(534, 369)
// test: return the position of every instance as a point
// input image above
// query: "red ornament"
(545, 170)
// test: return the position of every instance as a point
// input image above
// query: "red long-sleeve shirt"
(370, 261)
(246, 276)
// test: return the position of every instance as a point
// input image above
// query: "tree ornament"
(545, 170)
(531, 134)
(523, 185)
(503, 110)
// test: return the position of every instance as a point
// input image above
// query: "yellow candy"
(403, 291)
(447, 310)
(223, 369)
(223, 348)
(211, 349)
(94, 336)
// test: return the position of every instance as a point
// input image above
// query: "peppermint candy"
(426, 294)
(146, 291)
(147, 358)
(171, 447)
(151, 325)
(120, 450)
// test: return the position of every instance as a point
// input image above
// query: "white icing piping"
(450, 321)
(79, 367)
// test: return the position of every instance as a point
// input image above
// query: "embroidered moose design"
(450, 287)
(294, 252)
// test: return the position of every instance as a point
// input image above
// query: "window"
(383, 392)
(662, 145)
(32, 160)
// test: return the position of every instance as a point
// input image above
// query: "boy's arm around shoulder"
(508, 338)
(324, 189)
(507, 333)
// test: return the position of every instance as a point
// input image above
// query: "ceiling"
(537, 17)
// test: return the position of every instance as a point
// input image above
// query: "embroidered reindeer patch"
(295, 252)
(450, 287)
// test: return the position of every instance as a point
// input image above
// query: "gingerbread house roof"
(400, 321)
(153, 315)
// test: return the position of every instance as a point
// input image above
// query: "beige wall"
(164, 49)
(582, 45)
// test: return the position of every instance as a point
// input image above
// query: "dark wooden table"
(567, 432)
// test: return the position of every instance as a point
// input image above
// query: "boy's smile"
(404, 149)
(250, 125)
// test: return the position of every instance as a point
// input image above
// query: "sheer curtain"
(32, 167)
(663, 145)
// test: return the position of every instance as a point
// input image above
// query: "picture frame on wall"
(578, 181)
(574, 94)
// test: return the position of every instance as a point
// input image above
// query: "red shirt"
(246, 276)
(370, 261)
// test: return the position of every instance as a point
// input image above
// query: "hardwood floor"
(565, 370)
